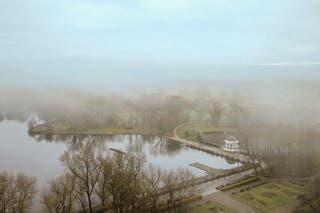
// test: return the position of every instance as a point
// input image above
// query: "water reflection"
(154, 145)
(39, 154)
(158, 150)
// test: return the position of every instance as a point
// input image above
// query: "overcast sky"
(115, 42)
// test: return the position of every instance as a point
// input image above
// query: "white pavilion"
(231, 144)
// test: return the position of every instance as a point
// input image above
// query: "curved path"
(226, 199)
(211, 149)
(208, 189)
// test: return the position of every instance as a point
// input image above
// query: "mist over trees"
(277, 124)
(278, 129)
(284, 150)
(288, 102)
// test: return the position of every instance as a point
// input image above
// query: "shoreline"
(48, 129)
(94, 134)
(59, 127)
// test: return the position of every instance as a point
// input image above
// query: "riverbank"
(194, 131)
(59, 127)
(188, 131)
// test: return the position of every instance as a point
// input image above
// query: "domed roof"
(231, 138)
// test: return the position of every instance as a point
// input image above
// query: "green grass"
(212, 207)
(62, 127)
(191, 132)
(306, 208)
(268, 196)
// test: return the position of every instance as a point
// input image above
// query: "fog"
(276, 100)
(275, 117)
(186, 73)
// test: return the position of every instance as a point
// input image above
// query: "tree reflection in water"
(154, 145)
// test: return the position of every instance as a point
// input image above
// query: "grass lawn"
(61, 127)
(212, 207)
(270, 195)
(191, 132)
(307, 208)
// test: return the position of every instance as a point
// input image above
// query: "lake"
(39, 155)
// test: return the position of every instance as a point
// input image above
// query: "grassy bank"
(63, 127)
(193, 132)
(212, 207)
(268, 196)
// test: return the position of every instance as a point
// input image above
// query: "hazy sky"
(87, 42)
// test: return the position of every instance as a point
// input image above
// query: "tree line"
(281, 149)
(160, 111)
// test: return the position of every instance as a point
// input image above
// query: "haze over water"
(154, 65)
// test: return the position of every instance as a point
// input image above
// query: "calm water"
(39, 155)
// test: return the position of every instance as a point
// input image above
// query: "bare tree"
(102, 185)
(216, 112)
(153, 180)
(125, 182)
(177, 186)
(16, 193)
(6, 192)
(84, 165)
(116, 181)
(59, 198)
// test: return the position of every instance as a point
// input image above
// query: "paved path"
(226, 199)
(210, 186)
(208, 189)
(206, 148)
